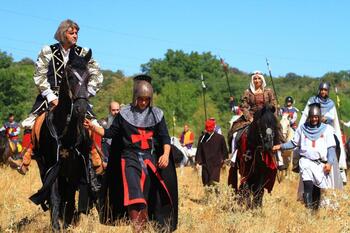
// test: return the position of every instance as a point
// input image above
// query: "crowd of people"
(137, 136)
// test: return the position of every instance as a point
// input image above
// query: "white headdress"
(259, 74)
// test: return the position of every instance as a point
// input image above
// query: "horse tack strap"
(78, 76)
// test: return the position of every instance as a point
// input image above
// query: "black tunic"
(127, 141)
(211, 153)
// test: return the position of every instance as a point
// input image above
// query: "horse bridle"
(82, 79)
(74, 98)
(267, 141)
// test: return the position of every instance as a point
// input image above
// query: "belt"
(316, 160)
(142, 162)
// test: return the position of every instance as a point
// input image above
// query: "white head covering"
(259, 74)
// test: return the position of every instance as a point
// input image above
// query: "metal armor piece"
(324, 85)
(315, 110)
(289, 99)
(147, 118)
(142, 88)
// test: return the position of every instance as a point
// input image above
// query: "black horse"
(5, 150)
(255, 160)
(62, 153)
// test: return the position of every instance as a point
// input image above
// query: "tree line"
(177, 85)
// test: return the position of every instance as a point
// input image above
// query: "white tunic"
(332, 115)
(312, 152)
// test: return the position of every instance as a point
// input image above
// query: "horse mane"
(79, 62)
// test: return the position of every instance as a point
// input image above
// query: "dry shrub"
(201, 209)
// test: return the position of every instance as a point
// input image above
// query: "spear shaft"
(273, 85)
(338, 104)
(226, 74)
(204, 103)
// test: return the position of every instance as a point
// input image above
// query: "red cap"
(210, 125)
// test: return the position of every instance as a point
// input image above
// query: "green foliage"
(177, 84)
(5, 60)
(115, 88)
(181, 98)
(17, 91)
(179, 66)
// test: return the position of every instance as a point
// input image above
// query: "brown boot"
(18, 165)
(27, 157)
(138, 219)
(97, 163)
(23, 168)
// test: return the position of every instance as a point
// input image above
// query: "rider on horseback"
(291, 111)
(49, 70)
(254, 99)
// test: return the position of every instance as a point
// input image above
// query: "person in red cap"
(211, 153)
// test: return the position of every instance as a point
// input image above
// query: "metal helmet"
(315, 110)
(289, 99)
(324, 85)
(142, 88)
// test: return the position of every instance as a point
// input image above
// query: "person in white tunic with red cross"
(318, 165)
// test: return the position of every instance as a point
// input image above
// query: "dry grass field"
(200, 211)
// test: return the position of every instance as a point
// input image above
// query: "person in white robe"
(329, 117)
(318, 165)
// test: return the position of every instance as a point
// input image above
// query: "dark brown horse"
(5, 150)
(63, 151)
(255, 160)
(8, 149)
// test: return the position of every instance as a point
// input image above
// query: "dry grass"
(200, 210)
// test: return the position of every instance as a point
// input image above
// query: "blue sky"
(306, 37)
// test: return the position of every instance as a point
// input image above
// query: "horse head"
(77, 75)
(264, 131)
(285, 125)
(73, 96)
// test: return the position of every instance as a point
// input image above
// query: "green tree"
(17, 91)
(178, 97)
(5, 60)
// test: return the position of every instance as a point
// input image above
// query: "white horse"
(188, 154)
(288, 134)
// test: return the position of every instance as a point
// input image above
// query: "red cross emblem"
(143, 137)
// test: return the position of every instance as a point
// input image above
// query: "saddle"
(36, 128)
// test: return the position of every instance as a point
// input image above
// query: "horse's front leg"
(55, 201)
(233, 178)
(244, 195)
(258, 191)
(67, 210)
